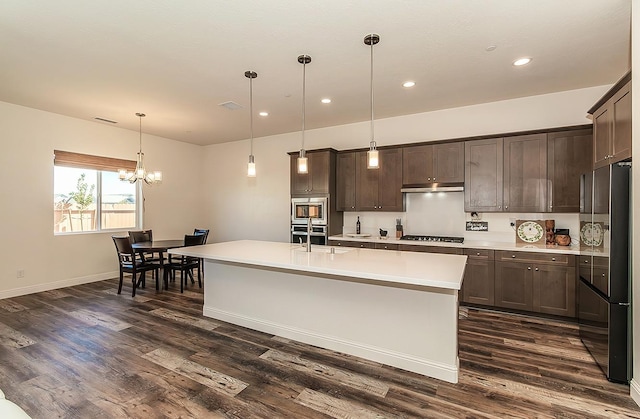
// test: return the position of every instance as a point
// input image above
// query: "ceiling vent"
(232, 106)
(105, 120)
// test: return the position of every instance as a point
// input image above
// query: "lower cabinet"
(541, 283)
(478, 283)
(350, 243)
(430, 249)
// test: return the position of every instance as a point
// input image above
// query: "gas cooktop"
(433, 239)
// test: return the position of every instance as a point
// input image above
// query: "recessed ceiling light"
(326, 100)
(263, 113)
(521, 61)
(408, 84)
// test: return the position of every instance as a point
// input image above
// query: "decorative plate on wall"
(530, 231)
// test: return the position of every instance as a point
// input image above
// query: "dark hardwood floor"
(86, 352)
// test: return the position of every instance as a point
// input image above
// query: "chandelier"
(140, 173)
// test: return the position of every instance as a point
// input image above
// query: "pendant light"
(372, 155)
(140, 173)
(303, 163)
(251, 166)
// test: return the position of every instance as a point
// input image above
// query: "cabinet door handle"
(529, 268)
(553, 259)
(603, 275)
(513, 256)
(478, 254)
(362, 245)
(434, 179)
(537, 269)
(506, 207)
(586, 261)
(428, 178)
(499, 206)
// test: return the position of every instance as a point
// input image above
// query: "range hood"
(434, 188)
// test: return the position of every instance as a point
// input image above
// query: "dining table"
(157, 246)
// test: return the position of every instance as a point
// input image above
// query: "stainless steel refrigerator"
(604, 268)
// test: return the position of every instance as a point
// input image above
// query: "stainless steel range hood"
(434, 188)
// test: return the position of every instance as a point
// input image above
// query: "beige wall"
(238, 207)
(29, 137)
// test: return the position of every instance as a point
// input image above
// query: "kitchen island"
(396, 308)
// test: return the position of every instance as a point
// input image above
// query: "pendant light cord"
(372, 136)
(251, 109)
(304, 78)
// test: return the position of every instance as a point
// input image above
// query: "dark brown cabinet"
(433, 163)
(479, 282)
(350, 243)
(431, 249)
(346, 182)
(525, 173)
(569, 154)
(380, 189)
(483, 175)
(318, 180)
(535, 282)
(506, 174)
(612, 125)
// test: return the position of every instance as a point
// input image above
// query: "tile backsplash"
(442, 214)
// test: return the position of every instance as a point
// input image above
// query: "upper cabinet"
(525, 173)
(433, 163)
(569, 154)
(380, 189)
(483, 175)
(612, 125)
(346, 181)
(321, 177)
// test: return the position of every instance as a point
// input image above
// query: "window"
(89, 196)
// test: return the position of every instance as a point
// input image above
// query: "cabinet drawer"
(481, 254)
(430, 249)
(531, 257)
(344, 243)
(387, 246)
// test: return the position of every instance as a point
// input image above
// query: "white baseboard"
(407, 362)
(635, 391)
(31, 289)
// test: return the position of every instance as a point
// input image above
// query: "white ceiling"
(177, 60)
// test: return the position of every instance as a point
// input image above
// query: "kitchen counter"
(403, 268)
(469, 244)
(397, 308)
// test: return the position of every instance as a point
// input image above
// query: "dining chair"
(206, 236)
(185, 264)
(130, 263)
(144, 236)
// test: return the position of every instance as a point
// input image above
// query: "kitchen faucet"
(309, 230)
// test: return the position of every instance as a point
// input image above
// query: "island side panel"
(413, 329)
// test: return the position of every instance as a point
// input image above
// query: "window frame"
(99, 165)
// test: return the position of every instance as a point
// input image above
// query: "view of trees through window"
(92, 200)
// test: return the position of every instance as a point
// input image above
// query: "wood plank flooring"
(86, 352)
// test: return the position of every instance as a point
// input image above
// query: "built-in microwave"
(303, 208)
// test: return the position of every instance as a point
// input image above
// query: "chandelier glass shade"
(140, 173)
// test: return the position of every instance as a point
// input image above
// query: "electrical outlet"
(512, 222)
(20, 273)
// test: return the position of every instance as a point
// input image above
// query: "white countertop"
(407, 268)
(470, 244)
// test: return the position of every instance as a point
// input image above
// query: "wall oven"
(303, 208)
(318, 234)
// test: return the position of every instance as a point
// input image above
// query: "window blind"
(87, 161)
